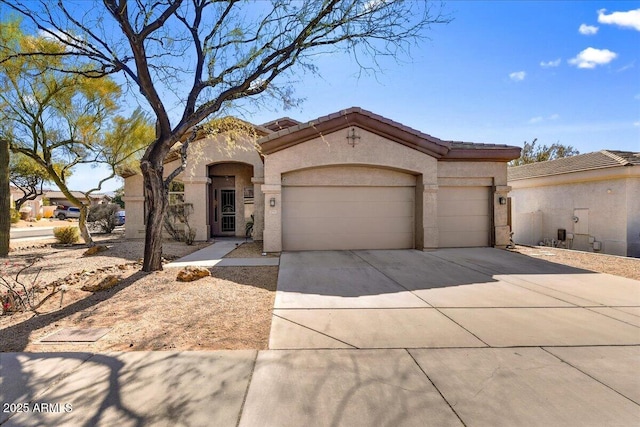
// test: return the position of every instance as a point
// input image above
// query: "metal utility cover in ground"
(76, 335)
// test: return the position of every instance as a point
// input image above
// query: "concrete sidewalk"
(568, 386)
(213, 256)
(453, 337)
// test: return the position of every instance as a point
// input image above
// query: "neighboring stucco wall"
(200, 156)
(542, 206)
(633, 217)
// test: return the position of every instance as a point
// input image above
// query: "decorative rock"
(191, 274)
(94, 250)
(104, 284)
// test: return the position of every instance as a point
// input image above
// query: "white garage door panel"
(322, 218)
(464, 216)
(347, 225)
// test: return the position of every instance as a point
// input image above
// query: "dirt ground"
(145, 311)
(45, 222)
(611, 264)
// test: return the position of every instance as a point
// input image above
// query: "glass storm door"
(227, 206)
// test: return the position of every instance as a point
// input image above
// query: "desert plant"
(38, 217)
(15, 215)
(66, 235)
(22, 293)
(176, 222)
(248, 227)
(104, 216)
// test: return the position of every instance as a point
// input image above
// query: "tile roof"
(582, 162)
(279, 124)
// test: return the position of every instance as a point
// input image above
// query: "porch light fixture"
(502, 200)
(272, 202)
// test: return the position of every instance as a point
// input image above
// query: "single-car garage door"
(347, 217)
(464, 217)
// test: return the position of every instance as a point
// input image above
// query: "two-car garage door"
(363, 214)
(347, 217)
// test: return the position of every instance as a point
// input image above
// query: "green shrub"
(38, 217)
(104, 216)
(15, 215)
(66, 235)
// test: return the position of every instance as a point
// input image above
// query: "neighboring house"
(58, 198)
(349, 180)
(32, 208)
(595, 197)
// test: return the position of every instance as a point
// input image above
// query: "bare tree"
(200, 56)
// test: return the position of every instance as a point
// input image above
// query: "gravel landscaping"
(231, 309)
(601, 263)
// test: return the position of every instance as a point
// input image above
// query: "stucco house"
(349, 180)
(30, 208)
(594, 197)
(58, 198)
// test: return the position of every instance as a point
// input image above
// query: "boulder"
(94, 250)
(102, 285)
(190, 274)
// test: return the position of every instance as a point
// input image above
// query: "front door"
(224, 208)
(227, 208)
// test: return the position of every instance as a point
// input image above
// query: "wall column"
(500, 216)
(272, 217)
(430, 215)
(195, 192)
(258, 208)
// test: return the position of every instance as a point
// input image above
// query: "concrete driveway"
(452, 298)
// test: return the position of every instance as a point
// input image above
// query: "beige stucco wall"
(633, 216)
(543, 205)
(200, 156)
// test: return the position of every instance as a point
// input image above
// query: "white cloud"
(629, 19)
(587, 30)
(551, 64)
(539, 119)
(627, 67)
(590, 58)
(636, 123)
(517, 76)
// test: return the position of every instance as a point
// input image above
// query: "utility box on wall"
(562, 234)
(581, 221)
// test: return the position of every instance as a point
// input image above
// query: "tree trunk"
(156, 204)
(5, 201)
(84, 207)
(82, 225)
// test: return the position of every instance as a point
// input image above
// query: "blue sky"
(501, 72)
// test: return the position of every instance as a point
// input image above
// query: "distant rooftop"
(281, 123)
(583, 162)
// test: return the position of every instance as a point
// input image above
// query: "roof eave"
(502, 154)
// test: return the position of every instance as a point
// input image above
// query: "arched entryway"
(231, 198)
